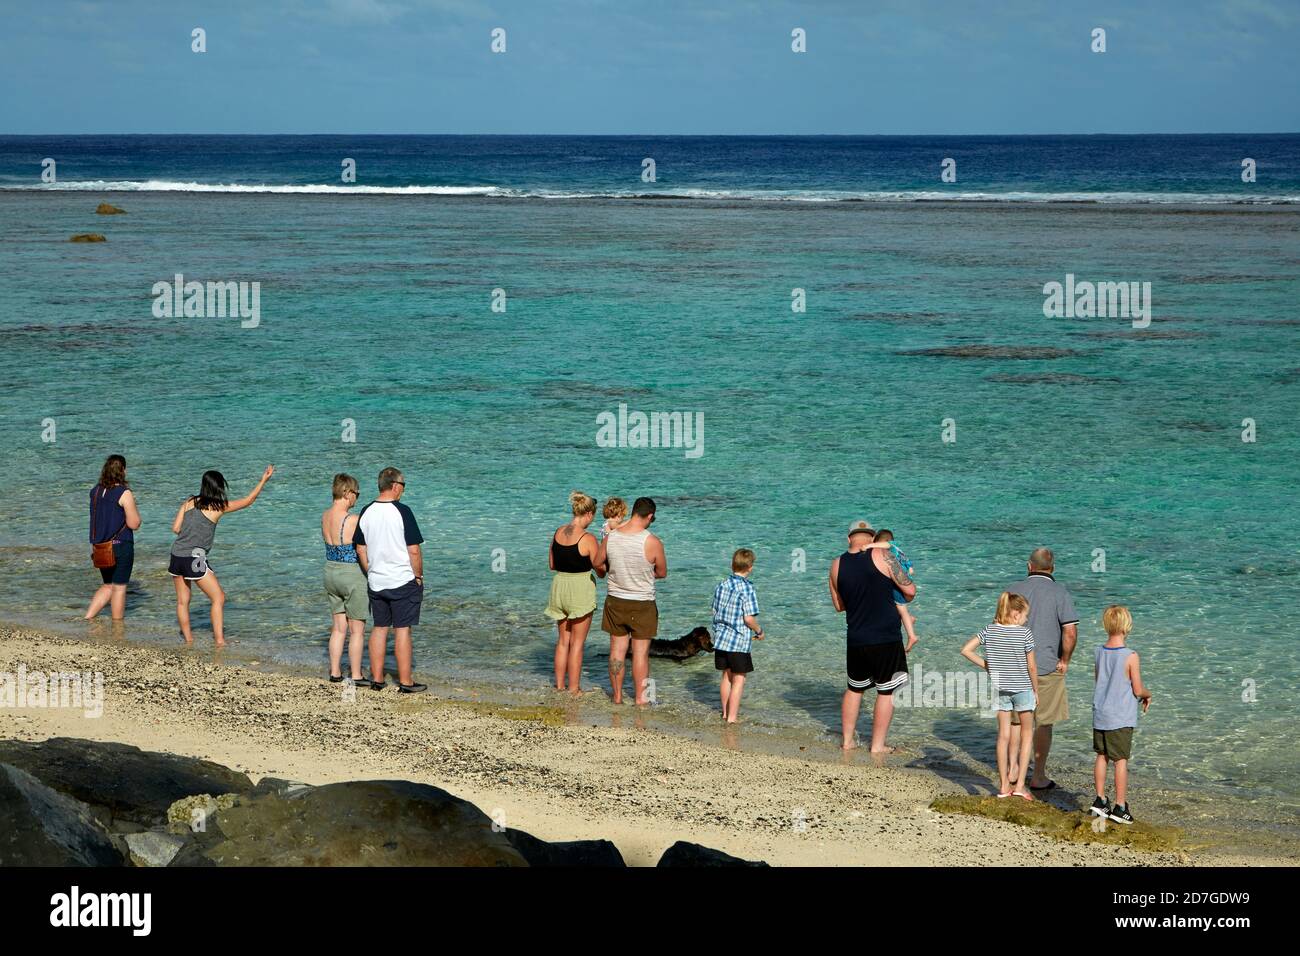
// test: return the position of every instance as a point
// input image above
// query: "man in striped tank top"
(634, 559)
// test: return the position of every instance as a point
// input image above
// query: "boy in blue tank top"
(1115, 699)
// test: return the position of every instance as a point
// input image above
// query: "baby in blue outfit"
(883, 536)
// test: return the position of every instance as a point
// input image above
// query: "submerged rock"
(108, 209)
(360, 823)
(995, 352)
(87, 237)
(1051, 378)
(682, 853)
(127, 783)
(39, 827)
(1075, 826)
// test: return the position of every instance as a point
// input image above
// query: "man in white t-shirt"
(388, 549)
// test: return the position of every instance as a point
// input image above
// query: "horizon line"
(675, 135)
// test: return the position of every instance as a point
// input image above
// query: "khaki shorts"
(1113, 744)
(638, 618)
(345, 583)
(1053, 704)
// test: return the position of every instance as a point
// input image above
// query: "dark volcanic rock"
(360, 823)
(278, 786)
(576, 853)
(88, 237)
(682, 853)
(39, 827)
(127, 782)
(995, 352)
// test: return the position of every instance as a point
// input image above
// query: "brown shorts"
(1113, 744)
(638, 618)
(1053, 704)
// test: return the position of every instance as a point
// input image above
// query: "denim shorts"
(120, 572)
(1019, 702)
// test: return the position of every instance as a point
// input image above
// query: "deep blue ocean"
(924, 319)
(1127, 169)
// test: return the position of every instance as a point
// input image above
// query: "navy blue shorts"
(191, 568)
(397, 607)
(120, 572)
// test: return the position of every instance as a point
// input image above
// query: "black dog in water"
(684, 647)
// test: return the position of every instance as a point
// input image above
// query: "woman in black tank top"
(573, 590)
(569, 557)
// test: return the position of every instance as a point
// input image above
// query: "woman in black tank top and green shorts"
(573, 590)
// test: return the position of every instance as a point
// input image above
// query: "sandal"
(1050, 785)
(1025, 796)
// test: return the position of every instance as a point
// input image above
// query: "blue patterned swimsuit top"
(346, 553)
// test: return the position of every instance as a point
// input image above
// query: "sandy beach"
(560, 769)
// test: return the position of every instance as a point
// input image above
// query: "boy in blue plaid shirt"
(735, 621)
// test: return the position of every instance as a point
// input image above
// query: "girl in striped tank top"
(1009, 658)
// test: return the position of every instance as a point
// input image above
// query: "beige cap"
(863, 526)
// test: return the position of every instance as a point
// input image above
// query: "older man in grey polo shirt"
(1056, 630)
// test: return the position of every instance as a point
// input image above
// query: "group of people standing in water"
(374, 568)
(630, 559)
(373, 564)
(114, 519)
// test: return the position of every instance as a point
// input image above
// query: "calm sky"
(649, 66)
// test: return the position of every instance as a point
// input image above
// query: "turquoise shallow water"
(378, 309)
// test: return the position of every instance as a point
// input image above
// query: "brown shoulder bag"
(101, 555)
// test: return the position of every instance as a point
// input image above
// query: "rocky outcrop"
(108, 209)
(152, 848)
(361, 823)
(88, 237)
(121, 782)
(39, 827)
(66, 801)
(682, 853)
(575, 853)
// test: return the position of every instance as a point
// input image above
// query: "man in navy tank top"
(863, 580)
